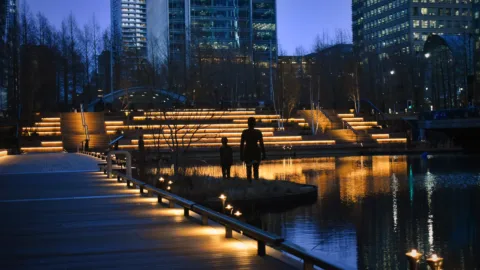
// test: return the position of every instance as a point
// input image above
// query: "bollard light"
(168, 188)
(413, 259)
(170, 182)
(222, 197)
(238, 213)
(161, 179)
(435, 262)
(229, 207)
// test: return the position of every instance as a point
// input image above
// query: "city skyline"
(313, 17)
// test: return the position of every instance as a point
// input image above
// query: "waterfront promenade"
(59, 212)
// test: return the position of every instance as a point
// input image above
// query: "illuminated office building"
(386, 27)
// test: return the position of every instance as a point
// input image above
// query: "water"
(373, 209)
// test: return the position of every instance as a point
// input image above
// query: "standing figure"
(226, 158)
(250, 152)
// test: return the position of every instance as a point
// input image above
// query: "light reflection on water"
(373, 209)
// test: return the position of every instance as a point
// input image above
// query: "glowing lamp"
(222, 197)
(229, 207)
(168, 188)
(238, 213)
(170, 182)
(413, 259)
(435, 262)
(161, 179)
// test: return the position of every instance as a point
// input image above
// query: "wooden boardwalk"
(81, 220)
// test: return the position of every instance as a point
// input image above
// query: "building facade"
(385, 27)
(389, 38)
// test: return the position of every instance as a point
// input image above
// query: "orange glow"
(42, 149)
(380, 136)
(206, 135)
(206, 117)
(114, 123)
(344, 115)
(217, 139)
(3, 153)
(204, 113)
(51, 119)
(49, 133)
(363, 123)
(41, 128)
(49, 124)
(206, 145)
(52, 143)
(392, 140)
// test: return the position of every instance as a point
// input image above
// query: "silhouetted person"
(226, 158)
(250, 152)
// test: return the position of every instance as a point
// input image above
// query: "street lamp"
(392, 72)
(427, 55)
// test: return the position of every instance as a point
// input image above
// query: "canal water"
(373, 209)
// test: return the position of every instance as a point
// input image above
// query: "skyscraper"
(129, 26)
(385, 27)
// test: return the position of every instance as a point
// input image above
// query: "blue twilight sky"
(299, 21)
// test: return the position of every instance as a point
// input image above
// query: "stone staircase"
(73, 132)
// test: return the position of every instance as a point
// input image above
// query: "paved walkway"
(82, 220)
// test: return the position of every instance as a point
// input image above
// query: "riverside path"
(59, 212)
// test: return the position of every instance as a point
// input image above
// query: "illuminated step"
(361, 127)
(52, 143)
(42, 149)
(392, 140)
(370, 123)
(380, 136)
(41, 128)
(353, 119)
(219, 139)
(210, 130)
(48, 124)
(3, 153)
(343, 115)
(51, 119)
(177, 126)
(205, 135)
(49, 133)
(205, 118)
(203, 113)
(113, 123)
(303, 124)
(208, 145)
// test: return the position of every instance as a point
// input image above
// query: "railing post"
(204, 220)
(118, 178)
(141, 189)
(128, 183)
(261, 249)
(307, 265)
(171, 204)
(228, 232)
(186, 212)
(109, 165)
(159, 198)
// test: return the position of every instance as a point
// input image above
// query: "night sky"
(299, 21)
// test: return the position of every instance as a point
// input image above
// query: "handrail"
(116, 140)
(262, 237)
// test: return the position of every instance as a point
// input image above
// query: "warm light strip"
(380, 136)
(42, 148)
(177, 126)
(303, 124)
(219, 139)
(290, 120)
(3, 153)
(206, 113)
(52, 143)
(51, 119)
(361, 127)
(343, 115)
(41, 128)
(49, 133)
(113, 123)
(205, 135)
(392, 140)
(217, 130)
(371, 123)
(205, 118)
(47, 124)
(206, 145)
(353, 119)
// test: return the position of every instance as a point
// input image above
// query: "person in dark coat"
(250, 151)
(226, 158)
